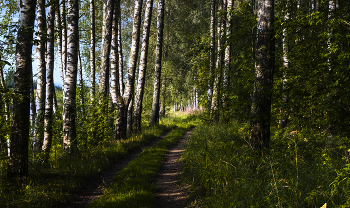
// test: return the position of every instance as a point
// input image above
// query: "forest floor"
(169, 194)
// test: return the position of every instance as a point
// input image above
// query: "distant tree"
(263, 74)
(158, 66)
(18, 161)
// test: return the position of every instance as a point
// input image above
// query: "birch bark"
(49, 82)
(158, 66)
(18, 161)
(41, 80)
(69, 103)
(142, 67)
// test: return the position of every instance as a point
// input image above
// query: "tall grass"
(300, 170)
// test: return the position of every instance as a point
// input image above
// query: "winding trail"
(169, 194)
(93, 188)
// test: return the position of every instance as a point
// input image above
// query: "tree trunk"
(227, 61)
(158, 66)
(129, 87)
(18, 161)
(41, 80)
(120, 54)
(69, 103)
(215, 107)
(162, 108)
(108, 9)
(284, 99)
(64, 43)
(142, 67)
(3, 121)
(92, 49)
(49, 82)
(261, 98)
(212, 54)
(129, 117)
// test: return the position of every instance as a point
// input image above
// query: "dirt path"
(169, 194)
(90, 191)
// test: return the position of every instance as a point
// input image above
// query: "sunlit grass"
(300, 170)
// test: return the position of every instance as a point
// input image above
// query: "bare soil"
(169, 194)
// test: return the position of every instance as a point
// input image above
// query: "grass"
(133, 186)
(47, 186)
(300, 170)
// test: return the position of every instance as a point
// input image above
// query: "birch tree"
(259, 134)
(219, 63)
(18, 161)
(108, 9)
(227, 60)
(142, 67)
(49, 81)
(212, 54)
(158, 66)
(130, 80)
(41, 80)
(70, 81)
(92, 49)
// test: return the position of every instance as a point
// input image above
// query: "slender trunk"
(162, 108)
(3, 121)
(81, 81)
(142, 67)
(115, 91)
(49, 82)
(219, 63)
(158, 66)
(41, 80)
(261, 99)
(120, 54)
(129, 87)
(331, 13)
(129, 117)
(18, 161)
(92, 49)
(59, 34)
(284, 99)
(227, 61)
(108, 9)
(64, 43)
(212, 54)
(69, 103)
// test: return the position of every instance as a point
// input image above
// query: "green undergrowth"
(133, 186)
(47, 186)
(301, 169)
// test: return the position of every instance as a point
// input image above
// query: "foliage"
(300, 170)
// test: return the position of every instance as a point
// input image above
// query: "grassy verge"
(47, 186)
(133, 186)
(300, 170)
